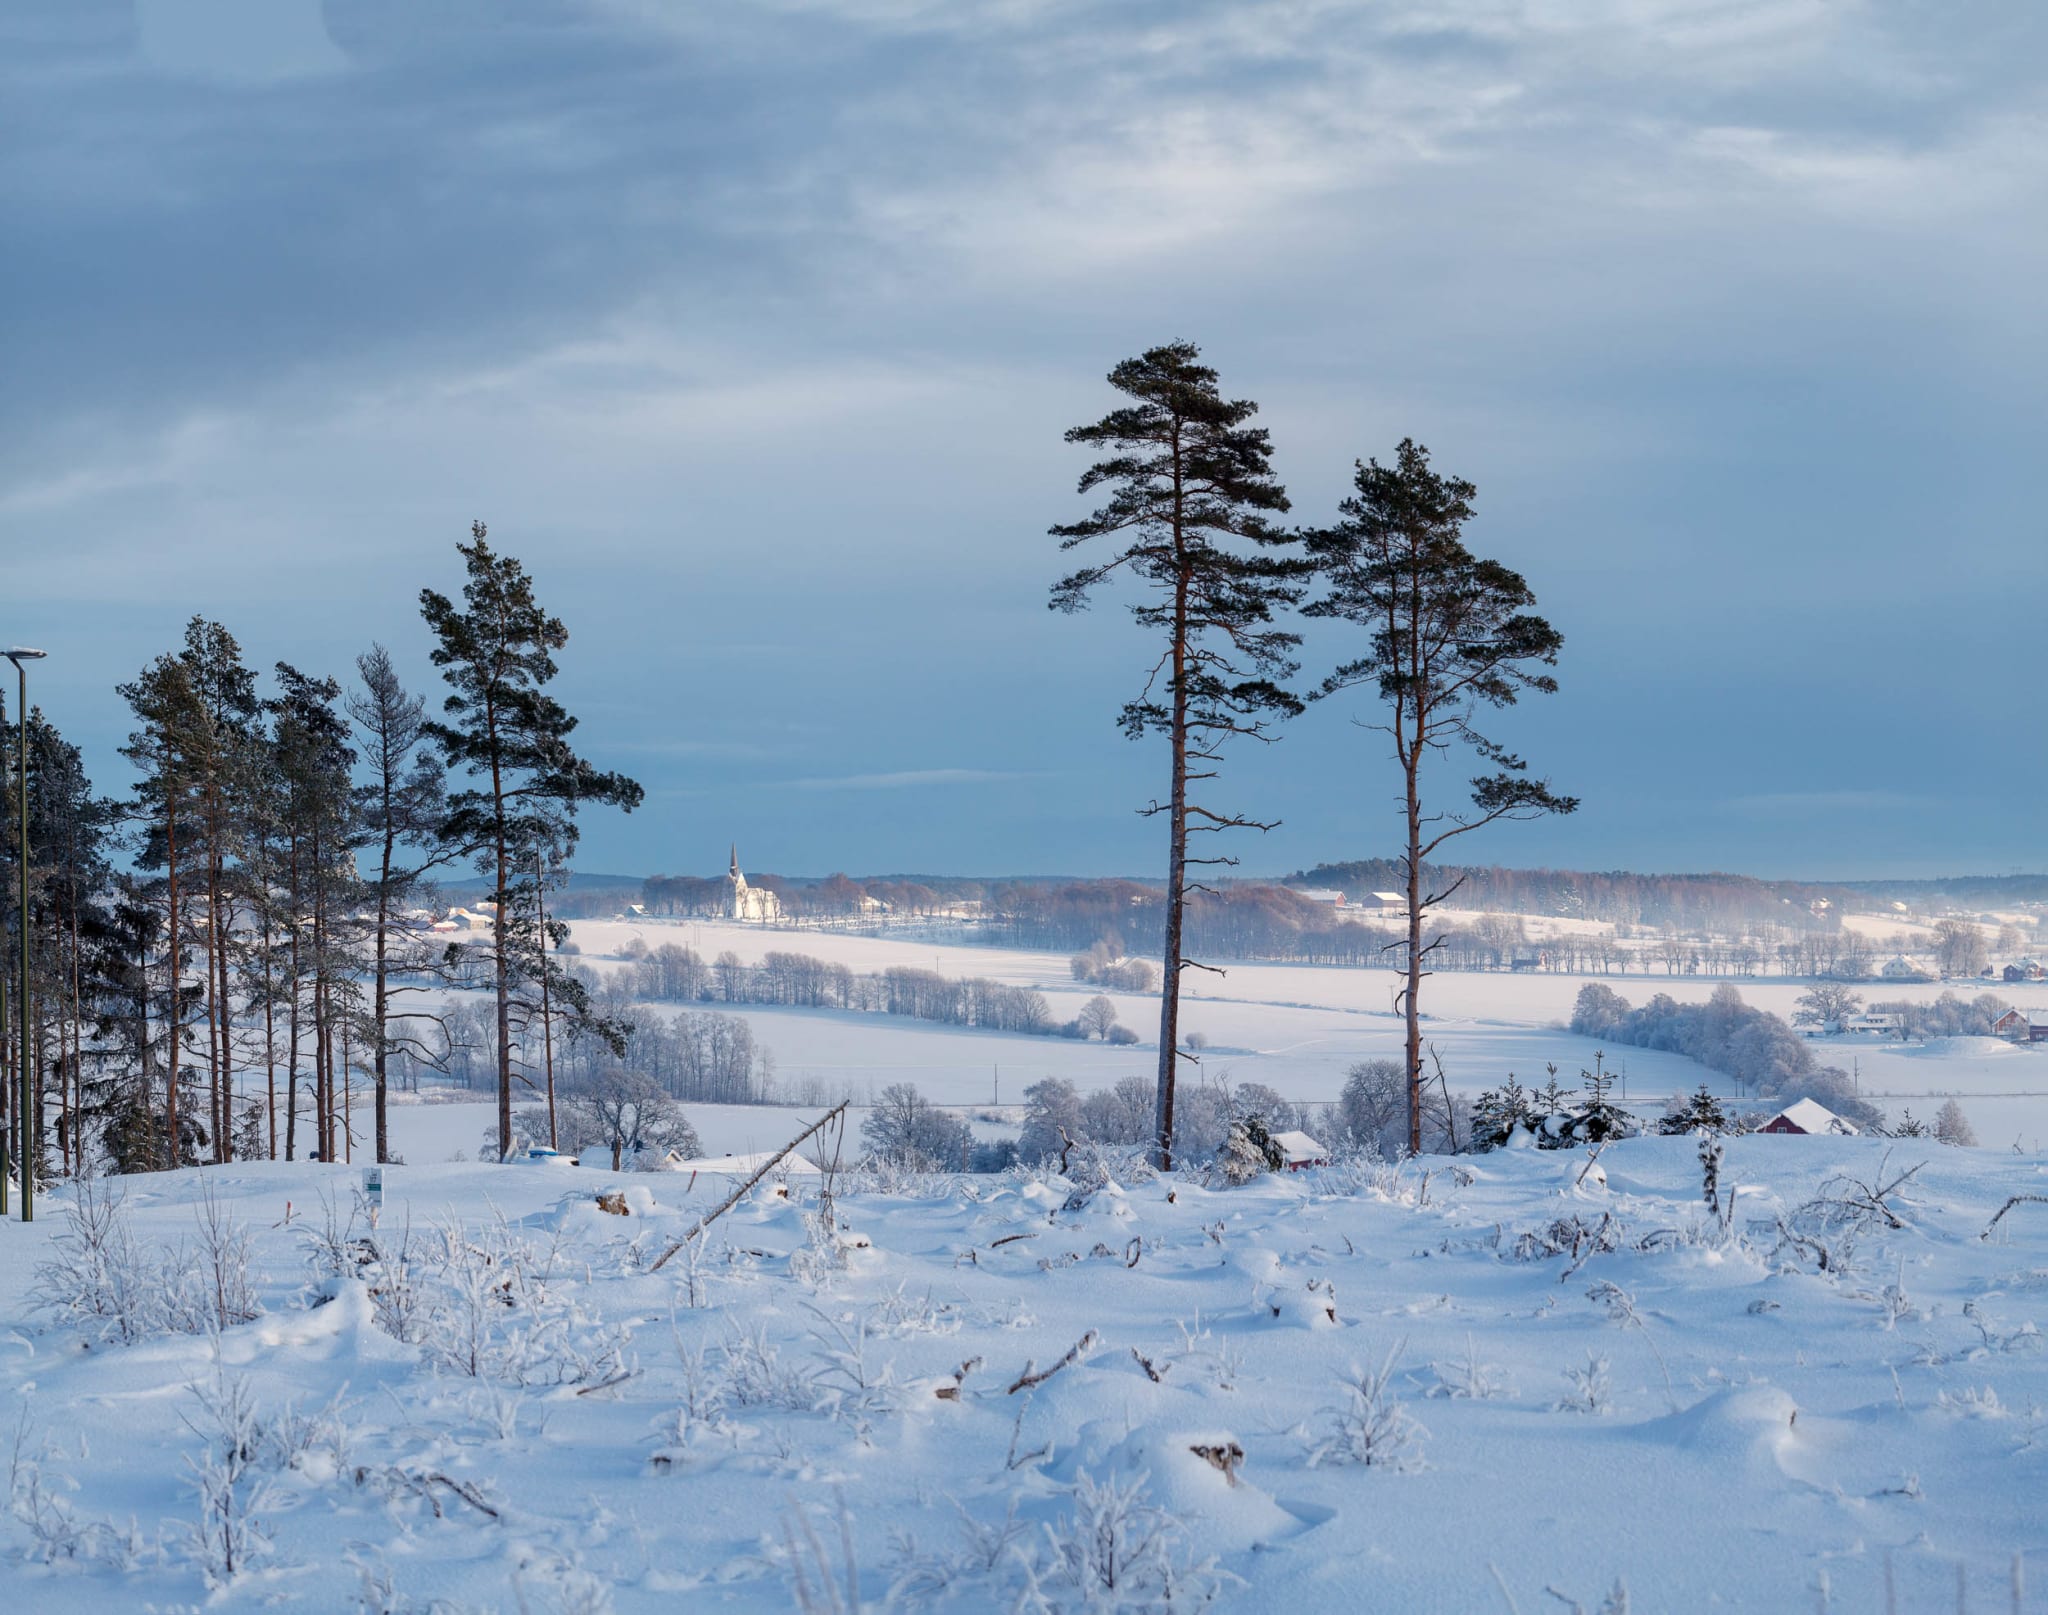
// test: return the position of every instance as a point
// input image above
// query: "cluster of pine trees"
(224, 959)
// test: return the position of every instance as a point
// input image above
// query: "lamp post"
(18, 655)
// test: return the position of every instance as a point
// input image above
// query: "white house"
(1874, 1024)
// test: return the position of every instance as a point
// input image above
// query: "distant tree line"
(676, 974)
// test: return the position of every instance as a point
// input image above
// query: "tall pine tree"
(504, 730)
(1446, 634)
(1190, 494)
(403, 805)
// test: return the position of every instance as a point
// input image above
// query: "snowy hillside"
(1453, 1390)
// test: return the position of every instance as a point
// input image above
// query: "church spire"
(735, 860)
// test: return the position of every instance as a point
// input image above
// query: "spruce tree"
(506, 732)
(1447, 634)
(1190, 497)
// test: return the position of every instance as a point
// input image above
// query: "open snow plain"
(1299, 1028)
(1347, 1390)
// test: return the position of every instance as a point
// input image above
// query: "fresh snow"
(1700, 1414)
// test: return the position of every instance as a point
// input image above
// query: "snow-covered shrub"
(1467, 1376)
(57, 1533)
(100, 1277)
(96, 1275)
(1248, 1152)
(495, 1311)
(1588, 1389)
(1115, 1551)
(1951, 1126)
(218, 1294)
(233, 1489)
(755, 1374)
(1370, 1426)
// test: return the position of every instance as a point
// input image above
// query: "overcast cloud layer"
(753, 329)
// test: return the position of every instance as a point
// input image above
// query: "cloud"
(754, 329)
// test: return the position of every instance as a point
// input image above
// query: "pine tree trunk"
(176, 1019)
(1411, 998)
(291, 1103)
(223, 930)
(499, 936)
(1176, 854)
(547, 1030)
(215, 1102)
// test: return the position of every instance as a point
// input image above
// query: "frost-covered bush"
(1248, 1152)
(497, 1308)
(231, 1480)
(1370, 1426)
(1116, 1551)
(102, 1279)
(1951, 1126)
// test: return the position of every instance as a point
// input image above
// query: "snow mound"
(1196, 1473)
(1753, 1421)
(1955, 1048)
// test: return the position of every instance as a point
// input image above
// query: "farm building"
(2022, 1026)
(1809, 1116)
(1301, 1151)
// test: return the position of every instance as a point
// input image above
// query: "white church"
(744, 902)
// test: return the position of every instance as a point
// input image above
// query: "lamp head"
(21, 653)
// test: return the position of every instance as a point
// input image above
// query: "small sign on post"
(373, 1191)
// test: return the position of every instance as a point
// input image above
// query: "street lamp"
(18, 655)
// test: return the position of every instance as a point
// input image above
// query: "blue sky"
(753, 329)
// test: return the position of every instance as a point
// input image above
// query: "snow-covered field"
(1333, 1392)
(1299, 1028)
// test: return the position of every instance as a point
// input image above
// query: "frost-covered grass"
(1346, 1390)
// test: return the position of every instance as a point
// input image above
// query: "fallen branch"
(951, 1393)
(422, 1484)
(1596, 1243)
(739, 1194)
(1853, 1200)
(1009, 1239)
(1029, 1380)
(2016, 1200)
(619, 1378)
(1155, 1372)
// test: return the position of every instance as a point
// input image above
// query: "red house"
(1809, 1116)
